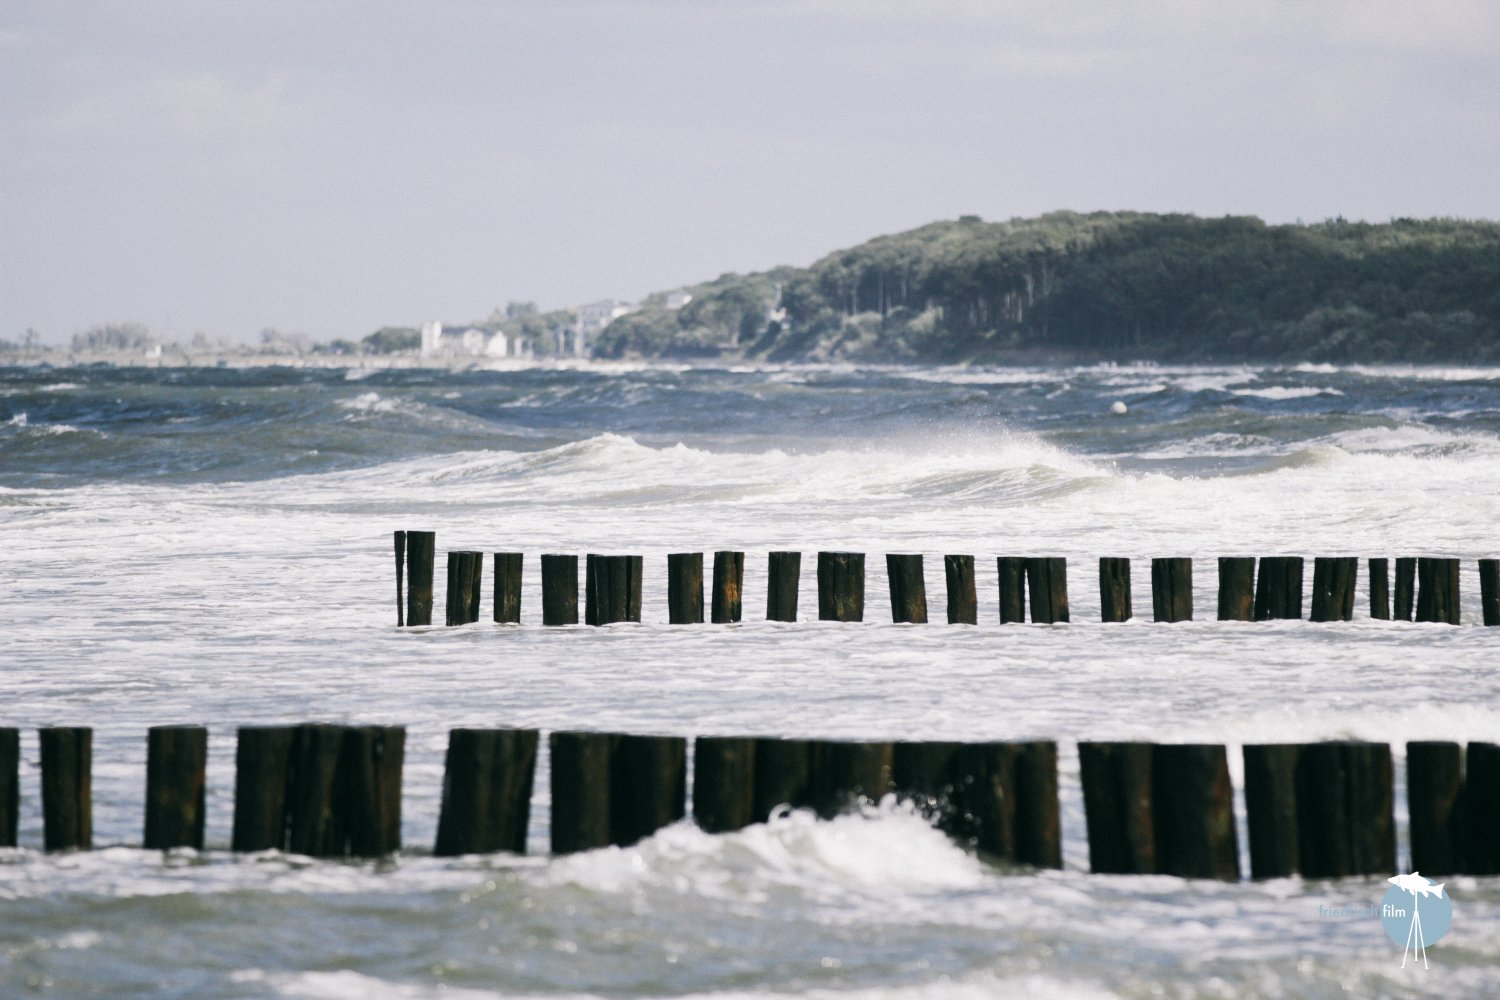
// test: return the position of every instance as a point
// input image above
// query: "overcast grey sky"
(330, 167)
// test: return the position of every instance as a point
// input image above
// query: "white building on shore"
(469, 341)
(593, 317)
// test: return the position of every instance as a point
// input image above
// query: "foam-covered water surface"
(214, 546)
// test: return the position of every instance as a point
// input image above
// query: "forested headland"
(1103, 286)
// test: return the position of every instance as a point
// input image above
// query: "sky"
(330, 167)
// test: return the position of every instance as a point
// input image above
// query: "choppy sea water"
(214, 546)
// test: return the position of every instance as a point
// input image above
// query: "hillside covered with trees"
(1105, 285)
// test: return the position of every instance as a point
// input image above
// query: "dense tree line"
(1112, 285)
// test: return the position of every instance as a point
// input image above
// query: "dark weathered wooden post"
(612, 589)
(1271, 808)
(841, 586)
(729, 580)
(464, 571)
(908, 588)
(508, 587)
(67, 796)
(313, 826)
(723, 783)
(1434, 796)
(1114, 589)
(1117, 807)
(1193, 812)
(685, 588)
(1437, 590)
(1236, 588)
(1012, 570)
(581, 771)
(176, 768)
(1000, 798)
(1172, 590)
(487, 783)
(1047, 582)
(1481, 808)
(559, 590)
(415, 552)
(10, 785)
(262, 764)
(963, 599)
(1278, 588)
(369, 793)
(1406, 580)
(1333, 588)
(783, 775)
(1380, 589)
(784, 570)
(1344, 810)
(648, 787)
(1489, 590)
(400, 578)
(844, 772)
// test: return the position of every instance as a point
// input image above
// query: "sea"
(214, 546)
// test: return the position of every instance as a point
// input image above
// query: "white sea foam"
(1286, 391)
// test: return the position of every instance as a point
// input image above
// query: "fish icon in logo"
(1393, 914)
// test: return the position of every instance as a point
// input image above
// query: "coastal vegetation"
(1102, 286)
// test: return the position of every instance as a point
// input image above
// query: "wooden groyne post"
(842, 773)
(1333, 588)
(262, 761)
(10, 785)
(1012, 573)
(784, 570)
(465, 571)
(614, 789)
(1434, 795)
(320, 790)
(685, 588)
(1437, 590)
(1345, 824)
(1482, 808)
(1159, 808)
(1489, 590)
(1236, 588)
(612, 589)
(729, 581)
(841, 586)
(1047, 583)
(67, 796)
(1114, 589)
(1172, 590)
(1380, 589)
(1278, 588)
(1406, 587)
(1271, 809)
(963, 599)
(508, 587)
(908, 588)
(1321, 809)
(415, 551)
(559, 589)
(999, 798)
(176, 780)
(723, 783)
(487, 783)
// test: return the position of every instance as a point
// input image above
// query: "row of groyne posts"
(1426, 588)
(1322, 810)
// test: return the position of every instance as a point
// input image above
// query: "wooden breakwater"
(1249, 589)
(1321, 810)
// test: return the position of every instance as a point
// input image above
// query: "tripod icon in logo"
(1417, 886)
